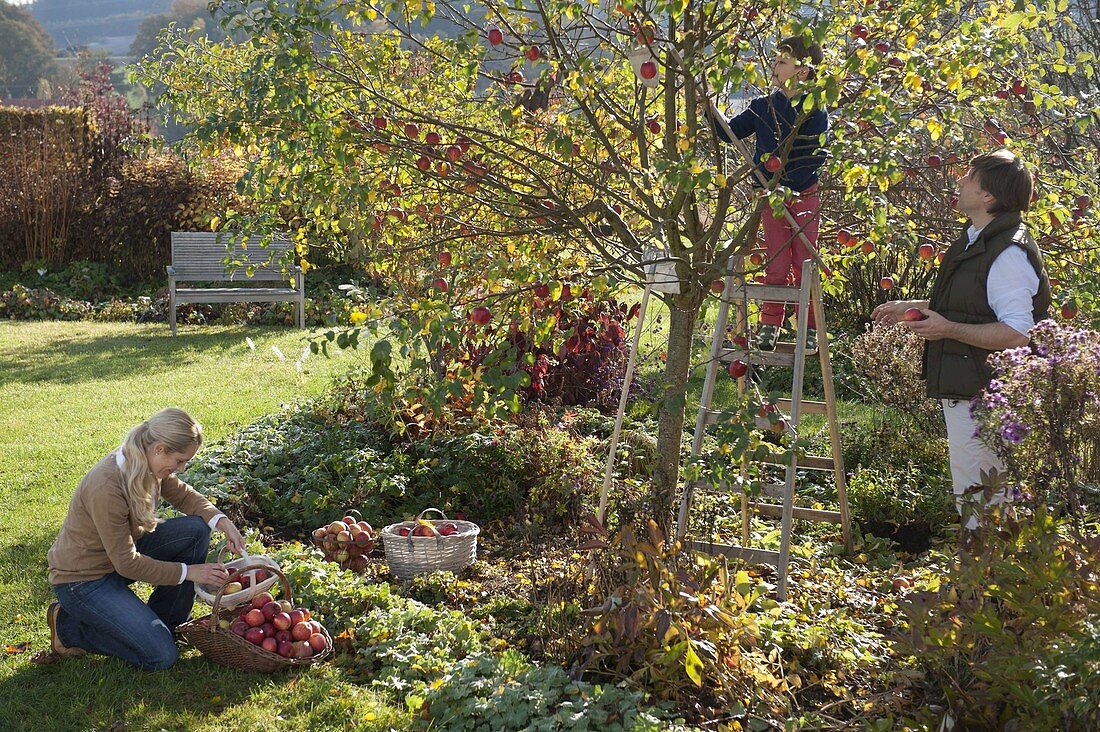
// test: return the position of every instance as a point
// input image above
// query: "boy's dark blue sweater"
(771, 120)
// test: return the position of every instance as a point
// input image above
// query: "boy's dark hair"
(1005, 177)
(802, 52)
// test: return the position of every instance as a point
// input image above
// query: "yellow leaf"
(693, 666)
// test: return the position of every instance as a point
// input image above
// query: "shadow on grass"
(96, 692)
(147, 349)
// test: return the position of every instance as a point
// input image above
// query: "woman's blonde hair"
(179, 432)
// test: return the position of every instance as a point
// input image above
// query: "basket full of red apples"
(427, 545)
(263, 635)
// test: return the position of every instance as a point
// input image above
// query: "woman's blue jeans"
(105, 616)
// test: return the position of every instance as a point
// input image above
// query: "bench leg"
(172, 312)
(301, 302)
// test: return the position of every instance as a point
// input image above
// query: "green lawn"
(68, 393)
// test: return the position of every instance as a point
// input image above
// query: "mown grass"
(68, 394)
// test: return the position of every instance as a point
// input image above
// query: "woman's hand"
(232, 535)
(212, 573)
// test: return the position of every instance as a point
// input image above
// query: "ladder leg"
(831, 416)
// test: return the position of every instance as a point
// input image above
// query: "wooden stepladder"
(739, 293)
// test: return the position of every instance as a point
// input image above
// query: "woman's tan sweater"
(98, 535)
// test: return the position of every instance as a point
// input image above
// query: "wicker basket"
(356, 549)
(408, 556)
(229, 649)
(207, 593)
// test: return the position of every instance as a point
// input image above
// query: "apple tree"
(494, 160)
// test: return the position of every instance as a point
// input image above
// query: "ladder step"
(774, 293)
(809, 462)
(808, 407)
(749, 554)
(778, 357)
(808, 514)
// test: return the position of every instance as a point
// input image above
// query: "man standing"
(990, 290)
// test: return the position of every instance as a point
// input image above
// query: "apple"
(335, 527)
(412, 131)
(225, 624)
(319, 534)
(913, 314)
(1019, 88)
(380, 123)
(403, 531)
(886, 283)
(286, 649)
(480, 315)
(756, 259)
(318, 642)
(926, 251)
(717, 286)
(238, 627)
(448, 529)
(496, 36)
(270, 609)
(1002, 93)
(533, 53)
(738, 368)
(895, 63)
(844, 237)
(422, 530)
(882, 47)
(268, 629)
(773, 164)
(262, 599)
(867, 247)
(270, 644)
(296, 616)
(860, 32)
(902, 583)
(285, 606)
(255, 636)
(1083, 202)
(255, 617)
(423, 164)
(432, 138)
(453, 153)
(934, 161)
(301, 631)
(648, 70)
(363, 524)
(232, 588)
(302, 649)
(1069, 309)
(653, 126)
(283, 636)
(542, 291)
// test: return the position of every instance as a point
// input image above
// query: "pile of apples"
(345, 539)
(424, 528)
(279, 627)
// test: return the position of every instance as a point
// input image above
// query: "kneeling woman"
(112, 538)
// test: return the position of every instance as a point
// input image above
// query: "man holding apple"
(112, 537)
(990, 290)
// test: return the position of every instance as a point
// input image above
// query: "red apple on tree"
(496, 36)
(480, 315)
(453, 153)
(844, 237)
(934, 161)
(379, 123)
(423, 164)
(432, 138)
(867, 247)
(860, 32)
(533, 53)
(926, 251)
(738, 368)
(444, 261)
(648, 70)
(886, 283)
(412, 131)
(773, 164)
(1069, 309)
(1019, 88)
(440, 284)
(653, 126)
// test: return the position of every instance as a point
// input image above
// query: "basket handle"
(441, 514)
(225, 548)
(353, 512)
(216, 607)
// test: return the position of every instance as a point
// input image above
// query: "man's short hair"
(1004, 176)
(808, 54)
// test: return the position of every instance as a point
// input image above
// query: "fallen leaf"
(18, 647)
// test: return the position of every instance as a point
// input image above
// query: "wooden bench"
(199, 256)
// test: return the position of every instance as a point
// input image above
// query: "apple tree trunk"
(683, 312)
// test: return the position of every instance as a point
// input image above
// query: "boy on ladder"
(789, 145)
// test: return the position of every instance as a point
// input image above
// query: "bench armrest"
(171, 270)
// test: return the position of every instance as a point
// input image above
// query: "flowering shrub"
(23, 303)
(1041, 412)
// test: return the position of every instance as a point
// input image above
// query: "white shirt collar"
(120, 459)
(972, 235)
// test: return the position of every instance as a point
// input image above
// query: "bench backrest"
(201, 256)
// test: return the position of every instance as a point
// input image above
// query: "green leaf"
(693, 666)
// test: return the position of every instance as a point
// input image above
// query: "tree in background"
(26, 53)
(536, 151)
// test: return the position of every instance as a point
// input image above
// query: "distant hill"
(100, 24)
